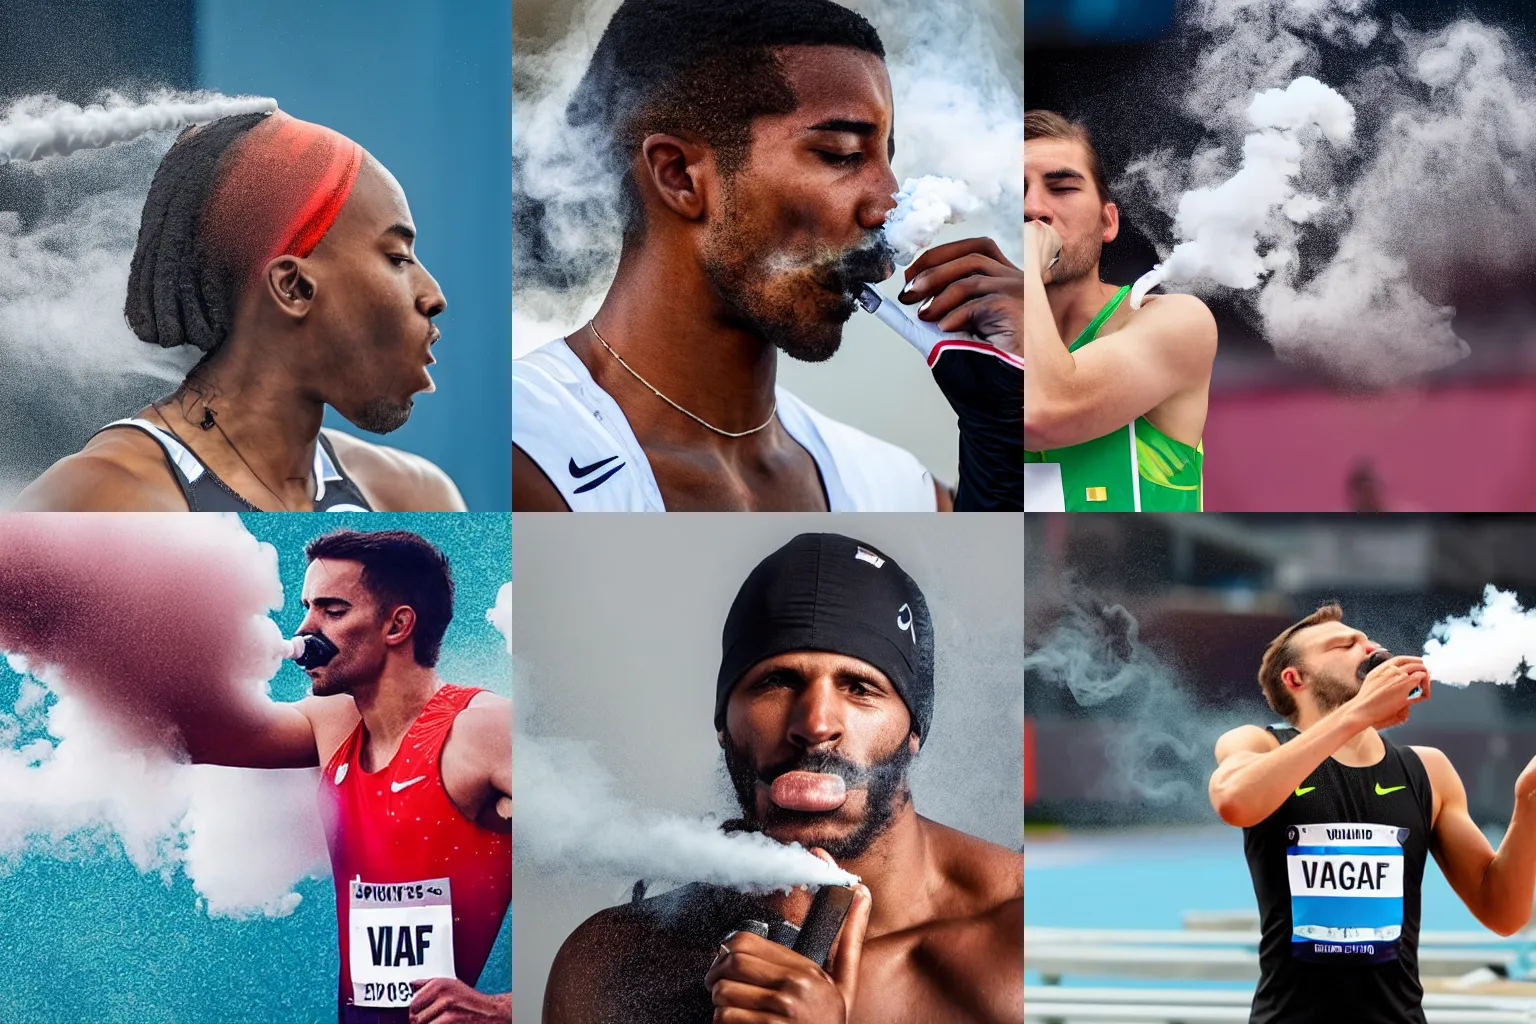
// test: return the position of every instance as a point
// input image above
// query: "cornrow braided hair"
(177, 293)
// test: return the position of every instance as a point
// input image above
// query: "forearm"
(1253, 790)
(1509, 881)
(1048, 364)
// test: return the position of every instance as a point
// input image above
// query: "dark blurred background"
(1281, 437)
(1207, 594)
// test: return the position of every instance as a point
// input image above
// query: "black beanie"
(826, 592)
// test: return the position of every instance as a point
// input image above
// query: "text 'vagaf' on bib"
(399, 932)
(1346, 883)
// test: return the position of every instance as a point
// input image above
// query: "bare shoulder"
(1184, 321)
(1436, 763)
(985, 875)
(488, 717)
(120, 470)
(584, 970)
(1246, 738)
(395, 480)
(532, 490)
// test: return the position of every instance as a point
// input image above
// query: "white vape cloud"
(117, 617)
(569, 818)
(923, 207)
(500, 615)
(1437, 188)
(1495, 642)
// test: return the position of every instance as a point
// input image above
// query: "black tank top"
(205, 492)
(1337, 871)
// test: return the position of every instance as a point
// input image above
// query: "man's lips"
(809, 791)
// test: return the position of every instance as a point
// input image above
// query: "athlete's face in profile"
(795, 232)
(810, 711)
(1059, 190)
(374, 305)
(1329, 659)
(339, 606)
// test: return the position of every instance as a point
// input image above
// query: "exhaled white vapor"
(500, 615)
(118, 617)
(923, 207)
(43, 126)
(568, 817)
(1223, 228)
(1489, 644)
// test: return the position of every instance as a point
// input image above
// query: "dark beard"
(885, 782)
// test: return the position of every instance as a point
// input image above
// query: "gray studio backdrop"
(616, 635)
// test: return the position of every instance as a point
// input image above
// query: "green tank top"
(1136, 468)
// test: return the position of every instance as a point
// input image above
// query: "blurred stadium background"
(1278, 437)
(1137, 897)
(424, 86)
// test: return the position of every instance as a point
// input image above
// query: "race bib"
(398, 932)
(1042, 488)
(1346, 891)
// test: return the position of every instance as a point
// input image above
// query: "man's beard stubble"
(1076, 262)
(1331, 692)
(770, 303)
(884, 782)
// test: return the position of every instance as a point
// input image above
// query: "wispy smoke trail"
(1495, 642)
(117, 618)
(959, 114)
(1160, 744)
(569, 818)
(41, 126)
(1446, 137)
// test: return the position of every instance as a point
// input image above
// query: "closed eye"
(399, 260)
(839, 159)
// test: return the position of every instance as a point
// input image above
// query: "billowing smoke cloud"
(68, 225)
(1437, 190)
(923, 207)
(118, 618)
(1495, 642)
(1159, 742)
(41, 126)
(959, 114)
(569, 818)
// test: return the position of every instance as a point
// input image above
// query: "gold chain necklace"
(724, 433)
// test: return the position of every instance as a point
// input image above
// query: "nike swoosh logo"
(580, 471)
(395, 787)
(589, 485)
(1304, 790)
(1384, 792)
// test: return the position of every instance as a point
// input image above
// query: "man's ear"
(720, 738)
(1111, 222)
(290, 286)
(914, 743)
(1291, 677)
(681, 173)
(401, 626)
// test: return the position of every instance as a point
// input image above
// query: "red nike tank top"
(398, 825)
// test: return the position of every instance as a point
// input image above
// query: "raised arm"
(1497, 887)
(1255, 772)
(279, 735)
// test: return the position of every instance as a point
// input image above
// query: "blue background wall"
(425, 87)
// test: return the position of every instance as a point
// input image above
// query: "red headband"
(280, 190)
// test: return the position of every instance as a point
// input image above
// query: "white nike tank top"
(580, 438)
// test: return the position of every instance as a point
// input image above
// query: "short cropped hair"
(399, 568)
